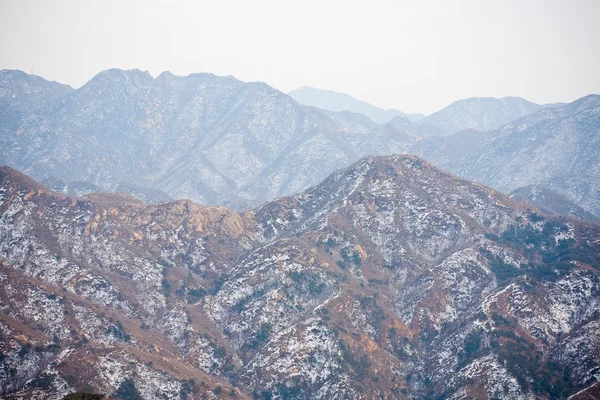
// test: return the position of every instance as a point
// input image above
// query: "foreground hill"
(390, 279)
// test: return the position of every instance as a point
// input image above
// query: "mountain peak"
(378, 186)
(124, 72)
(115, 77)
(15, 83)
(584, 103)
(403, 172)
(481, 113)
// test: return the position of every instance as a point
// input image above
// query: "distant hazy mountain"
(558, 148)
(80, 188)
(24, 92)
(550, 202)
(147, 195)
(412, 128)
(76, 189)
(217, 140)
(212, 139)
(20, 96)
(480, 113)
(329, 100)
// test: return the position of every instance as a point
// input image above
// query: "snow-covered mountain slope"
(334, 101)
(390, 279)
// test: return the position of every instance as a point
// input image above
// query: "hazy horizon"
(395, 55)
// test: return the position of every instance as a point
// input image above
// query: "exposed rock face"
(390, 279)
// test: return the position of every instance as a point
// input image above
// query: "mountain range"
(212, 139)
(220, 141)
(389, 279)
(479, 113)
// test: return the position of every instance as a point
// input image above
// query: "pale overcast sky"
(416, 56)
